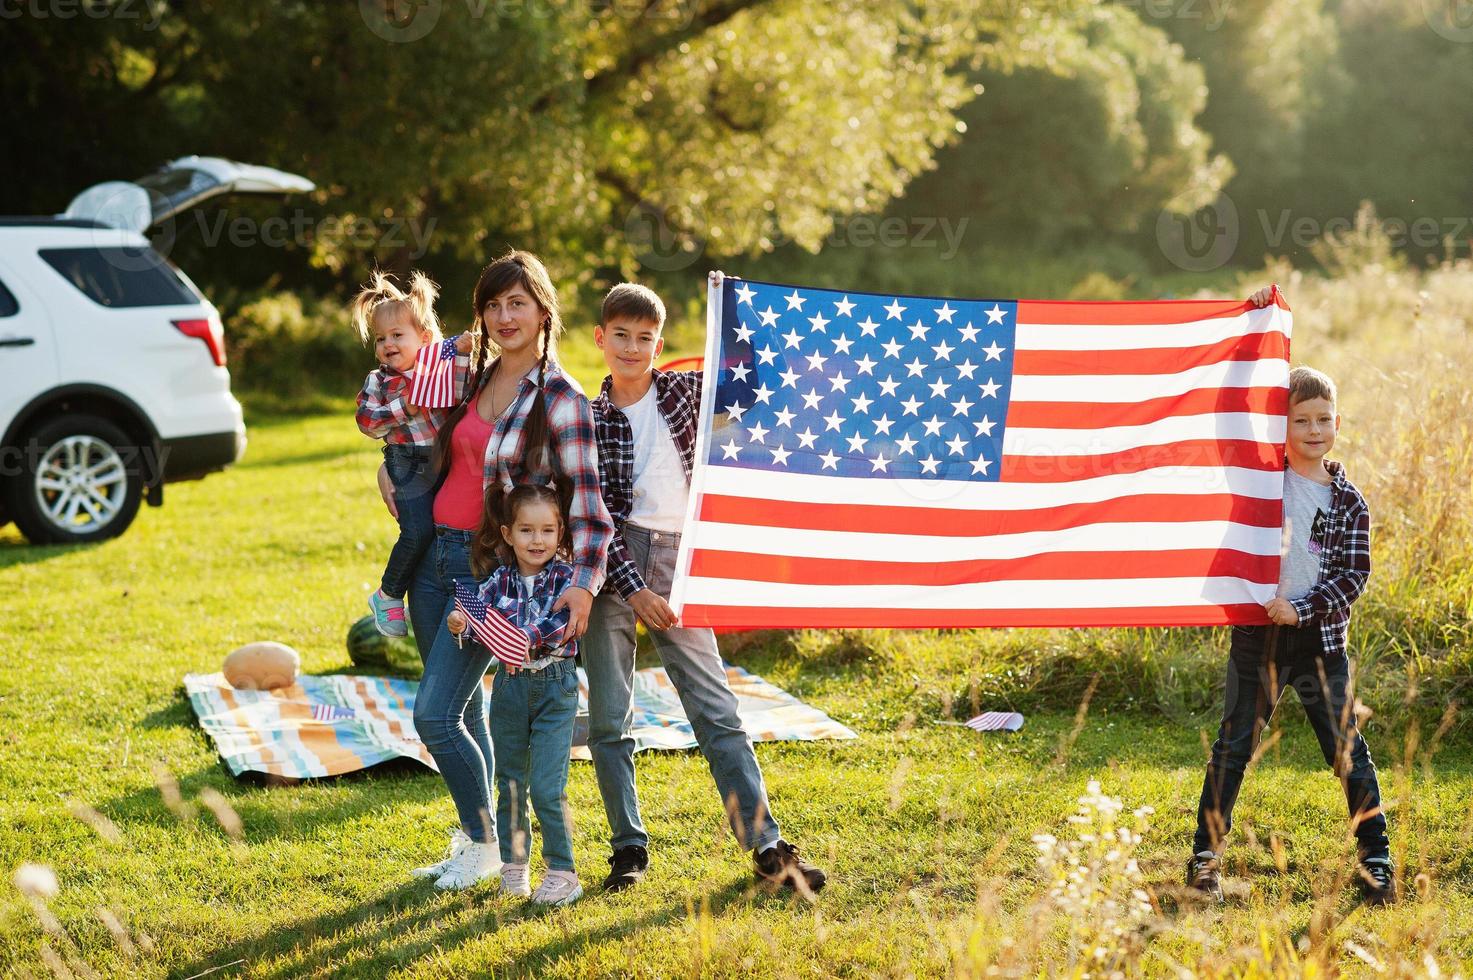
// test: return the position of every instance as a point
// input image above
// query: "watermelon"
(369, 648)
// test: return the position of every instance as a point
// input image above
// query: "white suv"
(114, 364)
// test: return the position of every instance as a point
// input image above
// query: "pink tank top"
(460, 499)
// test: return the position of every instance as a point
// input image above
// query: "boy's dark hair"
(630, 299)
(1306, 383)
(489, 548)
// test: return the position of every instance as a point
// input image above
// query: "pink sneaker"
(388, 614)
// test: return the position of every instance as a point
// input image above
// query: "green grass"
(914, 820)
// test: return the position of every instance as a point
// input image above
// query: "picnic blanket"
(338, 723)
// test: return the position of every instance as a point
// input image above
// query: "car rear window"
(120, 275)
(8, 305)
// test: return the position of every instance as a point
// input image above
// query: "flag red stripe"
(1128, 311)
(1104, 415)
(1156, 360)
(1060, 565)
(1191, 452)
(1145, 507)
(767, 617)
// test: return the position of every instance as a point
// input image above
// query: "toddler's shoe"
(558, 888)
(388, 614)
(458, 839)
(515, 881)
(1378, 881)
(471, 865)
(1202, 874)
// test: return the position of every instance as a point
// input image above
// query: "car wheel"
(80, 481)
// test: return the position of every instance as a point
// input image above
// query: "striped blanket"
(339, 723)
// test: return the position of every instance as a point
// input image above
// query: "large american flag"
(900, 461)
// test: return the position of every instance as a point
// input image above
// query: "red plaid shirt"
(1345, 564)
(383, 406)
(570, 422)
(678, 397)
(546, 631)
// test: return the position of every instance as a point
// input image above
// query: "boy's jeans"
(409, 472)
(695, 668)
(1254, 685)
(450, 708)
(532, 714)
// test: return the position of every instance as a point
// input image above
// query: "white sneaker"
(472, 864)
(514, 880)
(558, 888)
(457, 841)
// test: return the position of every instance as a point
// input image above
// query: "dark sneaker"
(629, 864)
(781, 866)
(1378, 881)
(1202, 875)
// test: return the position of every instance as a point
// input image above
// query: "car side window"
(8, 305)
(120, 276)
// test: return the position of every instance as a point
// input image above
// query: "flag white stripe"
(1018, 594)
(964, 495)
(934, 549)
(1146, 336)
(1133, 388)
(1252, 426)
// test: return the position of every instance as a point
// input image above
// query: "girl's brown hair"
(489, 548)
(381, 293)
(515, 268)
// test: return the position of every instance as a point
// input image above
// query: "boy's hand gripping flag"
(898, 461)
(495, 632)
(433, 385)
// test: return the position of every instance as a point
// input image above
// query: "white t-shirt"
(660, 491)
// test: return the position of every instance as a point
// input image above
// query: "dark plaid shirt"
(546, 631)
(1345, 563)
(678, 397)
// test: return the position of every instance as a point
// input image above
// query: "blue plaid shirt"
(532, 613)
(1345, 564)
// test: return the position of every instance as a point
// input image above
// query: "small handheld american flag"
(491, 629)
(996, 721)
(433, 385)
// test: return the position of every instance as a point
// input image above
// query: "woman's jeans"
(414, 498)
(1264, 661)
(450, 709)
(532, 714)
(694, 666)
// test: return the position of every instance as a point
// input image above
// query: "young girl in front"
(400, 324)
(524, 536)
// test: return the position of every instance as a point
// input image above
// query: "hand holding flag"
(506, 641)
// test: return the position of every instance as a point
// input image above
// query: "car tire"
(80, 480)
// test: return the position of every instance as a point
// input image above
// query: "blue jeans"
(414, 496)
(450, 708)
(532, 714)
(1264, 661)
(691, 659)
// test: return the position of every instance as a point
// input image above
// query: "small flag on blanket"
(331, 712)
(996, 721)
(434, 376)
(491, 629)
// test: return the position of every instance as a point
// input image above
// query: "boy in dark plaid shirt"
(1325, 567)
(645, 424)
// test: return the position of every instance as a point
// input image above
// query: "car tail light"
(209, 331)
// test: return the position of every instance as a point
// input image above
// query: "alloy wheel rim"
(80, 484)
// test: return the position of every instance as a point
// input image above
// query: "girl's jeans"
(414, 496)
(450, 709)
(1255, 682)
(532, 714)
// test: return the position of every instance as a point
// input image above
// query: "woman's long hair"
(489, 548)
(524, 269)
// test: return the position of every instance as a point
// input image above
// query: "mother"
(524, 421)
